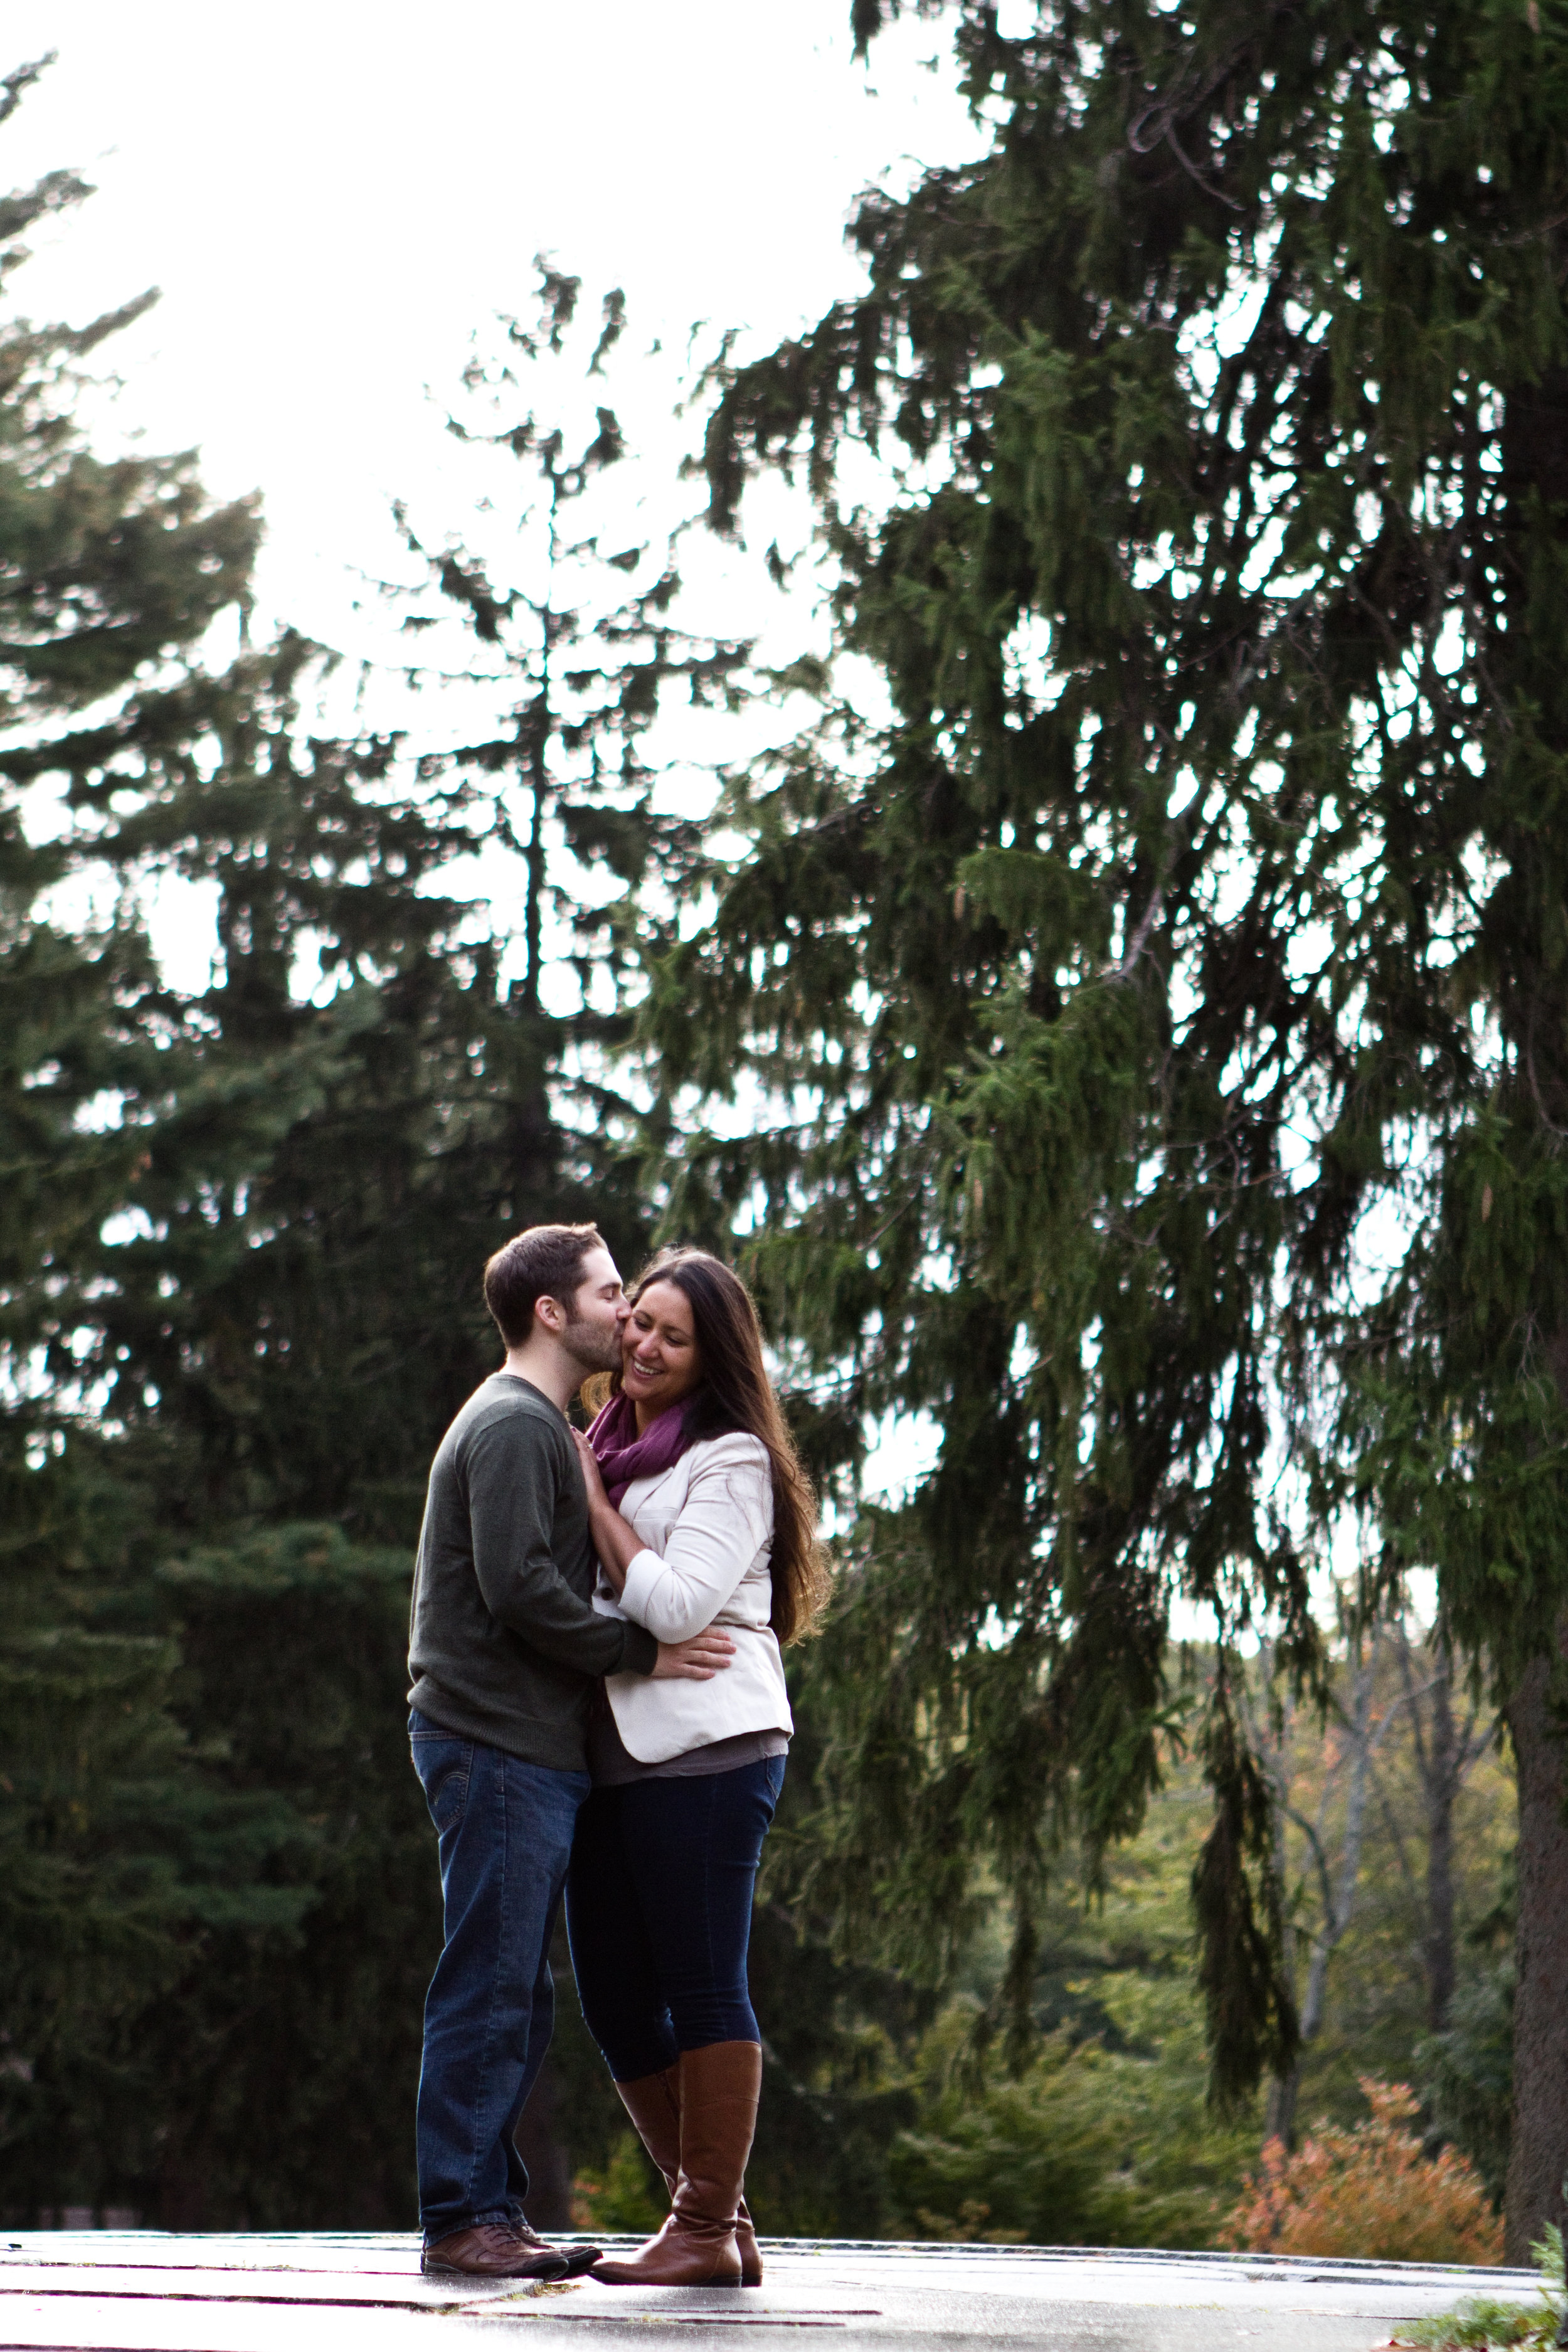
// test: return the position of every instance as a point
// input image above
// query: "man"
(504, 1647)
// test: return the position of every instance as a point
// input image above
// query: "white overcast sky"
(332, 196)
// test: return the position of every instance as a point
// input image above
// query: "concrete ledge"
(146, 2291)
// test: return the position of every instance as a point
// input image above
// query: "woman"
(701, 1516)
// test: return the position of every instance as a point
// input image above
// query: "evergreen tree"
(111, 1847)
(546, 654)
(570, 652)
(239, 1236)
(1167, 1006)
(270, 1330)
(273, 1328)
(248, 1226)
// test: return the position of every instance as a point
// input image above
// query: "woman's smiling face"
(660, 1362)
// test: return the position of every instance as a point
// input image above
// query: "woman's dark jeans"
(659, 1909)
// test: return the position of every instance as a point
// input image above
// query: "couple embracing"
(598, 1708)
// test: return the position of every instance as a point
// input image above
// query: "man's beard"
(595, 1346)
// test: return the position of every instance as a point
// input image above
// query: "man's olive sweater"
(503, 1639)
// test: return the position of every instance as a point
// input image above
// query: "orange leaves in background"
(1369, 2191)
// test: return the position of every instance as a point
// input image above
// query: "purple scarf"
(623, 1457)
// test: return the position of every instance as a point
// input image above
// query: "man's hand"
(696, 1660)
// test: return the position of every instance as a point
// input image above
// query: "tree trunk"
(533, 903)
(539, 2141)
(1538, 2157)
(1279, 2111)
(1442, 1789)
(1339, 1897)
(1280, 2108)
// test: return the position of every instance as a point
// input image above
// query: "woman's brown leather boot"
(718, 2092)
(653, 2103)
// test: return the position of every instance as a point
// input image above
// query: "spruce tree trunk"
(1535, 468)
(1279, 2110)
(540, 2142)
(1538, 2158)
(1339, 1896)
(1443, 1783)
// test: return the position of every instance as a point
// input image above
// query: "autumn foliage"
(1369, 2191)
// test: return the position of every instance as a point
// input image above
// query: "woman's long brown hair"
(735, 1394)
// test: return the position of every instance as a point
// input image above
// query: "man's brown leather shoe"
(575, 2260)
(492, 2250)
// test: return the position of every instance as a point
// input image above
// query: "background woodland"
(1138, 1056)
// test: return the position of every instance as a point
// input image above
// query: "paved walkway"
(140, 2291)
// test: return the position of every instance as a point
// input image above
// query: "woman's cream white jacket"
(706, 1528)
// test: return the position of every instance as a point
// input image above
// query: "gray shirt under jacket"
(504, 1643)
(614, 1766)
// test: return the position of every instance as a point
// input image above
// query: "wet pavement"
(143, 2291)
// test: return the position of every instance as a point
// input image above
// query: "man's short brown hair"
(546, 1262)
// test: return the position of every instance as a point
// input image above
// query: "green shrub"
(1465, 2073)
(1089, 2145)
(623, 2196)
(1483, 2322)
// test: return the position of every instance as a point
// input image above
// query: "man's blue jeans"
(505, 1828)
